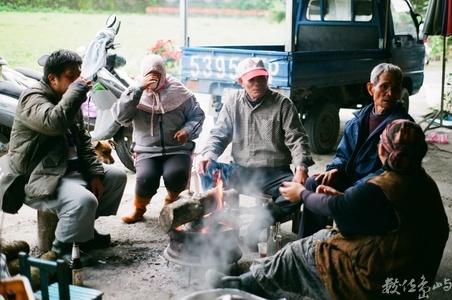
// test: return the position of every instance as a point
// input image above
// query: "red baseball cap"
(250, 68)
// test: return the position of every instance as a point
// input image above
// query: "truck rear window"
(403, 22)
(339, 10)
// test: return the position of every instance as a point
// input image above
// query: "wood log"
(14, 269)
(189, 208)
(11, 249)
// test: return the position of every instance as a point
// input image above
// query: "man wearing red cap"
(267, 136)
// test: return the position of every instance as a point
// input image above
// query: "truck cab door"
(407, 50)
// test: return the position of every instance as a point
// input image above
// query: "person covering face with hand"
(166, 119)
(267, 136)
(70, 181)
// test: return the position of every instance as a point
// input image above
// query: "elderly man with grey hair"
(267, 136)
(356, 158)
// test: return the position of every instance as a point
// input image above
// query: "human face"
(60, 84)
(255, 87)
(385, 93)
(153, 78)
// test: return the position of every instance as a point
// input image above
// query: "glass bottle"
(10, 295)
(271, 242)
(75, 267)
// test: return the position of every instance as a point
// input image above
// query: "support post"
(47, 223)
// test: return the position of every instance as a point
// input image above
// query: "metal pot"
(222, 294)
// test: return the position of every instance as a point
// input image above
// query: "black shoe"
(99, 241)
(64, 251)
(218, 280)
(87, 259)
(61, 248)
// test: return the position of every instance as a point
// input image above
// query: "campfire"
(204, 228)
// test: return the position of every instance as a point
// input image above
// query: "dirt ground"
(135, 266)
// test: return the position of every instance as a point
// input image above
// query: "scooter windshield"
(95, 56)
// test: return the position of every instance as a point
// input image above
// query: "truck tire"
(124, 140)
(405, 98)
(322, 127)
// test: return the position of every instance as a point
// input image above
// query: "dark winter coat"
(356, 155)
(43, 120)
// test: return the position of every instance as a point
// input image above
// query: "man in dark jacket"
(70, 181)
(356, 158)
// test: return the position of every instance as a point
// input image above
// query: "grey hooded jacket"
(154, 134)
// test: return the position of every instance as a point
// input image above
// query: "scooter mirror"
(117, 28)
(2, 61)
(42, 60)
(111, 20)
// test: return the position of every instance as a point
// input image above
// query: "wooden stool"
(47, 223)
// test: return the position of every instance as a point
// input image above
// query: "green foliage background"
(27, 36)
(138, 6)
(276, 8)
(132, 6)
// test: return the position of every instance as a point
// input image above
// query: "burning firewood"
(191, 208)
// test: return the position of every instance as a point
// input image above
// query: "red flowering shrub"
(168, 52)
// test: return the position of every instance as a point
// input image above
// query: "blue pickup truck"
(330, 48)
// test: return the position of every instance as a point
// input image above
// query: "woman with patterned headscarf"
(392, 230)
(166, 119)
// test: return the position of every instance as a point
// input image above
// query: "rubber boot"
(64, 251)
(171, 197)
(139, 208)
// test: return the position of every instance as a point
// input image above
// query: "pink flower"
(167, 51)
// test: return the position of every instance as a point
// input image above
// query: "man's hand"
(97, 188)
(181, 136)
(88, 82)
(328, 178)
(204, 165)
(291, 191)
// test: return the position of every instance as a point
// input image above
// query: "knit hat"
(404, 141)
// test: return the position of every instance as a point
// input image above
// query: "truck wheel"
(124, 140)
(405, 98)
(322, 126)
(5, 133)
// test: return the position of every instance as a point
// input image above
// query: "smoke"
(218, 240)
(215, 240)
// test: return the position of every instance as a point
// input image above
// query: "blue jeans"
(254, 181)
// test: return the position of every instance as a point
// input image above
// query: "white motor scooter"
(102, 64)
